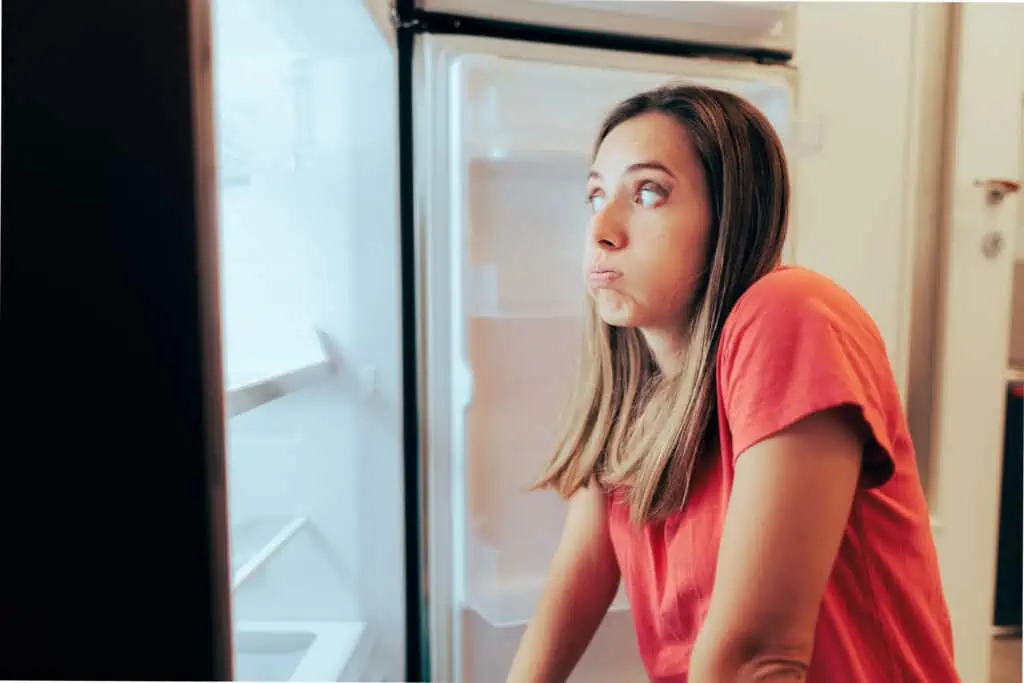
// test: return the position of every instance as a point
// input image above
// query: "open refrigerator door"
(505, 139)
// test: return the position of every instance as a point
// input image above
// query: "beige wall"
(871, 216)
(868, 202)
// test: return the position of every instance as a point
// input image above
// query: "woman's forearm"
(566, 619)
(582, 583)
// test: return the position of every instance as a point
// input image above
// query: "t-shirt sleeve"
(791, 349)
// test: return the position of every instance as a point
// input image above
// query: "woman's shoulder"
(795, 344)
(791, 297)
(792, 285)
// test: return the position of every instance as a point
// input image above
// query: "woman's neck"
(668, 349)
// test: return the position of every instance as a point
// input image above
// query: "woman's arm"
(582, 583)
(788, 510)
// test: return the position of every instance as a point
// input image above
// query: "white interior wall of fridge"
(305, 105)
(521, 137)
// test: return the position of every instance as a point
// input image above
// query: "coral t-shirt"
(795, 344)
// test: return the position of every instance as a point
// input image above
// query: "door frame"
(972, 324)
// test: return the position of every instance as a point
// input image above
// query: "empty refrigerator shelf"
(254, 543)
(508, 604)
(249, 396)
(251, 390)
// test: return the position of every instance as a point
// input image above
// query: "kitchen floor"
(1006, 660)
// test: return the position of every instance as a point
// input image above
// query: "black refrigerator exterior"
(114, 561)
(143, 143)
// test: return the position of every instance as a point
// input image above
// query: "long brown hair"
(629, 426)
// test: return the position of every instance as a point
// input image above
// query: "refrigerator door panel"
(305, 128)
(504, 144)
(112, 484)
(768, 26)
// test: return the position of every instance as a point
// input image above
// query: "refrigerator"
(502, 123)
(346, 275)
(400, 220)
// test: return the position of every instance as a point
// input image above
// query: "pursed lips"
(602, 276)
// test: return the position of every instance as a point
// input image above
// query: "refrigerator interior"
(305, 110)
(520, 134)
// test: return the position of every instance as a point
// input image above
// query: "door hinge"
(401, 24)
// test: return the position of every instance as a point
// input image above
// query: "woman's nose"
(607, 229)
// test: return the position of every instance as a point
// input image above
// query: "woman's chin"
(616, 317)
(614, 307)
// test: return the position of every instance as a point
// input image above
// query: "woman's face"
(649, 225)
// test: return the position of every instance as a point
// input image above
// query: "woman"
(737, 452)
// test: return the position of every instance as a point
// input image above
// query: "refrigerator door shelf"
(486, 297)
(500, 117)
(511, 146)
(801, 139)
(505, 596)
(509, 603)
(519, 239)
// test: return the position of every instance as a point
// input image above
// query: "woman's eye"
(596, 202)
(648, 197)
